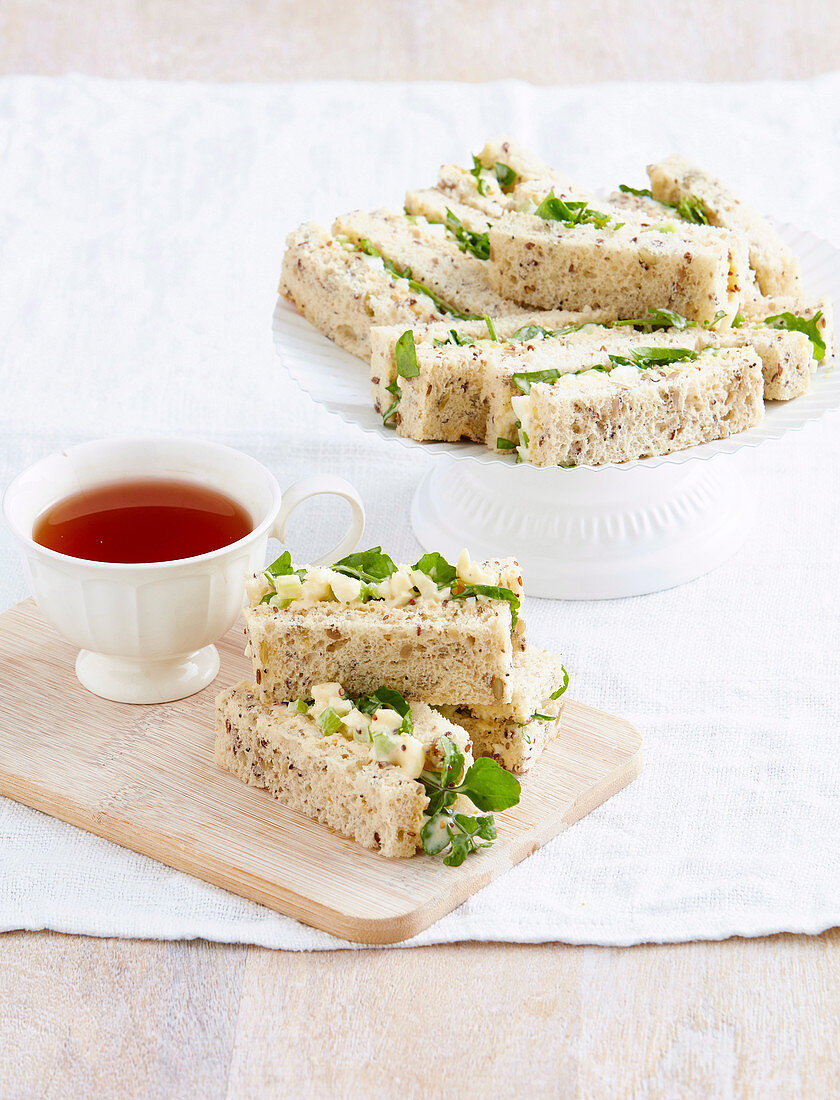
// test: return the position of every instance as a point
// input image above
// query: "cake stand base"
(587, 534)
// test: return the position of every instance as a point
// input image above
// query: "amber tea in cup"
(145, 520)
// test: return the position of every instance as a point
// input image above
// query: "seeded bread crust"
(589, 419)
(507, 732)
(330, 779)
(342, 293)
(441, 653)
(776, 267)
(541, 264)
(435, 260)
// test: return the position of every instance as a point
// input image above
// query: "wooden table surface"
(83, 1017)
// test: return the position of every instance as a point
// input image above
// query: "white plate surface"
(338, 381)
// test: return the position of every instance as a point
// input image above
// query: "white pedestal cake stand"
(591, 532)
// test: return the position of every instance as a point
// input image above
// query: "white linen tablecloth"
(141, 233)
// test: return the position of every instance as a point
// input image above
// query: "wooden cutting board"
(144, 777)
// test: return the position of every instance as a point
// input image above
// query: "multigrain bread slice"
(776, 267)
(465, 391)
(453, 405)
(435, 260)
(478, 196)
(468, 391)
(594, 418)
(445, 651)
(787, 358)
(515, 734)
(335, 781)
(626, 269)
(342, 292)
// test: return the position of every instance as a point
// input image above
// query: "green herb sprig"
(366, 246)
(504, 174)
(436, 566)
(570, 213)
(658, 319)
(405, 355)
(690, 208)
(369, 566)
(445, 575)
(391, 700)
(810, 327)
(563, 686)
(493, 592)
(455, 338)
(478, 244)
(647, 358)
(639, 192)
(396, 393)
(280, 567)
(487, 785)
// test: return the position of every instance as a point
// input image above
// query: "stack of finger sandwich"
(511, 306)
(393, 703)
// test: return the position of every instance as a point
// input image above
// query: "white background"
(141, 232)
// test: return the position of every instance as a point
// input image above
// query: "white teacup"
(146, 631)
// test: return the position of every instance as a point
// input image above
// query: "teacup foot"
(124, 680)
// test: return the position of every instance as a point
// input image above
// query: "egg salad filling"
(652, 364)
(381, 720)
(455, 784)
(371, 575)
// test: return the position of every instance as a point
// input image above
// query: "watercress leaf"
(489, 787)
(525, 379)
(436, 834)
(396, 393)
(644, 358)
(405, 354)
(388, 699)
(719, 316)
(639, 192)
(281, 567)
(367, 565)
(492, 591)
(436, 566)
(659, 318)
(461, 848)
(468, 240)
(563, 686)
(469, 825)
(810, 327)
(364, 245)
(570, 213)
(503, 444)
(453, 762)
(436, 801)
(476, 171)
(505, 175)
(692, 209)
(531, 332)
(486, 827)
(456, 338)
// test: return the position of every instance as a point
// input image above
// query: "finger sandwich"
(432, 631)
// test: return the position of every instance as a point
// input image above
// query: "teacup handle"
(317, 486)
